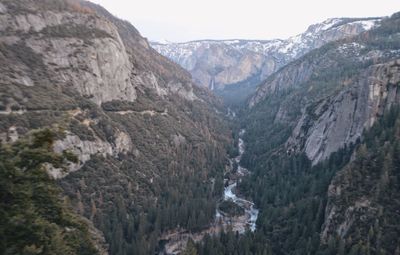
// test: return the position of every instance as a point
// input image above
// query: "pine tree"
(190, 248)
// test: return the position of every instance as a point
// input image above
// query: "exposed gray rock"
(3, 9)
(342, 119)
(342, 216)
(85, 149)
(216, 64)
(120, 103)
(178, 139)
(10, 136)
(332, 110)
(89, 54)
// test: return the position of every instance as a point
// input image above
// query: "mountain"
(333, 93)
(135, 121)
(321, 143)
(239, 65)
(108, 147)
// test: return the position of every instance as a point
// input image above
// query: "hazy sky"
(184, 20)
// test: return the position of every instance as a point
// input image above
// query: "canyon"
(235, 67)
(111, 144)
(174, 242)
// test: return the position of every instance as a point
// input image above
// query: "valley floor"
(174, 242)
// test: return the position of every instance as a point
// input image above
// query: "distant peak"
(163, 41)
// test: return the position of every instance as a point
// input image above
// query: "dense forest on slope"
(140, 152)
(151, 146)
(33, 217)
(317, 91)
(296, 198)
(346, 203)
(364, 199)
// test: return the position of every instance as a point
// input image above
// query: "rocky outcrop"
(323, 132)
(79, 46)
(342, 119)
(299, 72)
(216, 64)
(82, 50)
(362, 198)
(337, 221)
(332, 94)
(85, 51)
(86, 149)
(133, 119)
(381, 91)
(291, 76)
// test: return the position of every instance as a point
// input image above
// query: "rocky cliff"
(362, 205)
(321, 136)
(217, 64)
(344, 87)
(134, 119)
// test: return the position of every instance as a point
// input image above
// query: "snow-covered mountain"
(217, 64)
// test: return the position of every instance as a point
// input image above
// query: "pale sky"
(185, 20)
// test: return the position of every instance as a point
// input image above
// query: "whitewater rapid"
(174, 242)
(249, 219)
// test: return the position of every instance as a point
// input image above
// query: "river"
(175, 241)
(248, 220)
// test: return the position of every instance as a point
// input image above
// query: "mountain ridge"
(134, 120)
(218, 64)
(165, 42)
(142, 155)
(354, 59)
(322, 147)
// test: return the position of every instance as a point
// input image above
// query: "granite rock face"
(86, 51)
(338, 91)
(342, 119)
(85, 149)
(81, 50)
(133, 118)
(343, 95)
(79, 47)
(216, 64)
